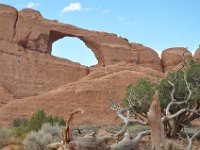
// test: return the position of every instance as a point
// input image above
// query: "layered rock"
(91, 93)
(8, 18)
(5, 96)
(171, 57)
(25, 73)
(146, 57)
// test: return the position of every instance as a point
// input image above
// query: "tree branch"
(126, 118)
(191, 139)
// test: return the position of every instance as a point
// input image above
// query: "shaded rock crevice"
(15, 25)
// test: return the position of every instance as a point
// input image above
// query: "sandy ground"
(10, 147)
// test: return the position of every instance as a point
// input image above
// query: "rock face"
(27, 73)
(6, 96)
(31, 78)
(146, 56)
(171, 57)
(197, 54)
(8, 17)
(91, 93)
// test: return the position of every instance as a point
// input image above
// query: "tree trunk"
(156, 125)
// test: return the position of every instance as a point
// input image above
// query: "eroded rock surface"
(171, 57)
(146, 57)
(5, 96)
(91, 93)
(197, 54)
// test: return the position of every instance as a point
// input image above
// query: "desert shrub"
(22, 127)
(19, 132)
(40, 117)
(36, 121)
(4, 137)
(54, 120)
(19, 122)
(37, 140)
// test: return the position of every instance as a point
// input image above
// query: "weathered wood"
(156, 125)
(67, 133)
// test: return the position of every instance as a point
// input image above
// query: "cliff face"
(31, 78)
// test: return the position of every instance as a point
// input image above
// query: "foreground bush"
(22, 127)
(179, 94)
(46, 135)
(39, 118)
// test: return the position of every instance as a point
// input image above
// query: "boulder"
(172, 57)
(146, 56)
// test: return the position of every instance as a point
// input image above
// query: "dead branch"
(124, 114)
(190, 139)
(67, 134)
(127, 143)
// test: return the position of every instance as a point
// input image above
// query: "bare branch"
(191, 139)
(124, 114)
(164, 118)
(173, 100)
(188, 87)
(141, 135)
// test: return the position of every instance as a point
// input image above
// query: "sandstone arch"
(56, 35)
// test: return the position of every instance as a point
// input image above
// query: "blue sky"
(158, 24)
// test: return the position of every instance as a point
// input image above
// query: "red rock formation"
(8, 17)
(146, 56)
(171, 57)
(5, 96)
(32, 78)
(197, 54)
(26, 73)
(36, 33)
(26, 41)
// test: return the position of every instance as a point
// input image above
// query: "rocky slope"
(31, 78)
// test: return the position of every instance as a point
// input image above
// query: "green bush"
(19, 132)
(4, 137)
(141, 93)
(37, 140)
(36, 121)
(19, 122)
(54, 120)
(38, 118)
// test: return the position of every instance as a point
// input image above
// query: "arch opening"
(74, 49)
